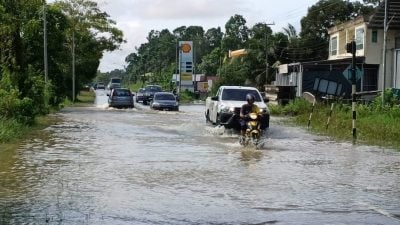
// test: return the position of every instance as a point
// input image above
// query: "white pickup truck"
(224, 108)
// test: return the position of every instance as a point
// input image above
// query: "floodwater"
(138, 166)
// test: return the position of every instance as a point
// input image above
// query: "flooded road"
(138, 166)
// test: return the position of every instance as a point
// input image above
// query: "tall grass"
(376, 125)
(11, 129)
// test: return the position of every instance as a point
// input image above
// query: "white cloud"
(176, 9)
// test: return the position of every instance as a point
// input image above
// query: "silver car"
(120, 98)
(164, 101)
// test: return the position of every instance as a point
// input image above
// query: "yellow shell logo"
(186, 48)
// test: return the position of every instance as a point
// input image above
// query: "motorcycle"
(253, 132)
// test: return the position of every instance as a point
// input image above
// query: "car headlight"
(226, 109)
(264, 110)
(156, 104)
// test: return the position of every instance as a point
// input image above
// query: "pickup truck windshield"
(239, 94)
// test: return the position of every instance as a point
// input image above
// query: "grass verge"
(83, 99)
(375, 126)
(13, 132)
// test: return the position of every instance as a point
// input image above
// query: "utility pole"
(73, 65)
(385, 28)
(46, 74)
(266, 50)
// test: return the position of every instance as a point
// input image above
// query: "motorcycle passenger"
(246, 109)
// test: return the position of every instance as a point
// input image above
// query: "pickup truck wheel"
(208, 117)
(218, 122)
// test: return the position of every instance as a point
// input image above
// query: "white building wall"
(374, 55)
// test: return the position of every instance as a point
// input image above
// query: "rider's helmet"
(250, 98)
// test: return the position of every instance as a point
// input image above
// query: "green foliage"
(295, 107)
(38, 92)
(375, 124)
(10, 129)
(186, 96)
(12, 106)
(234, 73)
(211, 62)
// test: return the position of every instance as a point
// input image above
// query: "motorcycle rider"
(246, 109)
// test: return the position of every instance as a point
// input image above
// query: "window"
(360, 38)
(374, 37)
(334, 46)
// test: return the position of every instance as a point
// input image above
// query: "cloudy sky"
(137, 17)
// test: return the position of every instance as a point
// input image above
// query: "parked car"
(140, 95)
(149, 92)
(164, 101)
(120, 98)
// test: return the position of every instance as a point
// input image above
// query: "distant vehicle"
(224, 108)
(140, 95)
(120, 98)
(164, 101)
(100, 85)
(115, 82)
(149, 92)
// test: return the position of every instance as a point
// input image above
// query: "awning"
(393, 16)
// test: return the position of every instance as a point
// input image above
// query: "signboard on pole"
(186, 62)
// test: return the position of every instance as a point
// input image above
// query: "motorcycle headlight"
(253, 116)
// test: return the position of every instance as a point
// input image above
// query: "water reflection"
(250, 155)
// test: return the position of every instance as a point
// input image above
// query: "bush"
(12, 107)
(10, 129)
(295, 107)
(186, 96)
(37, 90)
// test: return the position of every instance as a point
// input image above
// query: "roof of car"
(238, 87)
(164, 93)
(121, 89)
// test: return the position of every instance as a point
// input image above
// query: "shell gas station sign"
(186, 62)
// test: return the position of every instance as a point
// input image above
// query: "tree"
(236, 33)
(213, 38)
(211, 62)
(91, 33)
